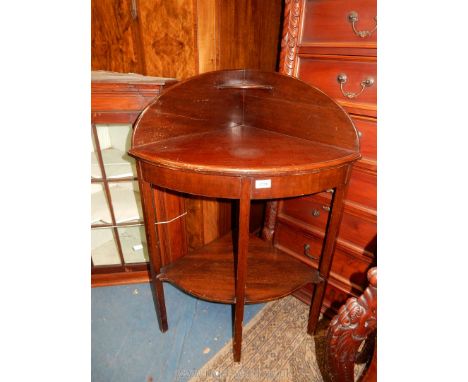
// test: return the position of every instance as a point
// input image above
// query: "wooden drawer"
(309, 209)
(313, 211)
(367, 129)
(348, 269)
(322, 72)
(363, 188)
(326, 21)
(294, 241)
(359, 231)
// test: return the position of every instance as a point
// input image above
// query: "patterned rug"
(275, 348)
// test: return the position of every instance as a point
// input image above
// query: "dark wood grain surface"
(328, 22)
(185, 37)
(209, 272)
(323, 71)
(237, 150)
(168, 31)
(220, 100)
(244, 135)
(116, 43)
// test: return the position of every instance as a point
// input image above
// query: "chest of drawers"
(332, 45)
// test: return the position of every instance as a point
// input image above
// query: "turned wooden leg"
(242, 250)
(333, 226)
(153, 250)
(270, 220)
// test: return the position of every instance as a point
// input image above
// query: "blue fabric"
(128, 346)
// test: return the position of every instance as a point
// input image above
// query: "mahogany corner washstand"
(241, 135)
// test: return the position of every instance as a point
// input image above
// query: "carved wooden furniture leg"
(242, 249)
(355, 321)
(333, 226)
(270, 220)
(154, 253)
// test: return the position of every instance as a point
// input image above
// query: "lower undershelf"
(209, 273)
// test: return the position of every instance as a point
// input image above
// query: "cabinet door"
(115, 39)
(118, 236)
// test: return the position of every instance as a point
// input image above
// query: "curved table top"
(242, 122)
(243, 150)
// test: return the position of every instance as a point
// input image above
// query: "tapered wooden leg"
(333, 226)
(160, 304)
(242, 251)
(238, 321)
(153, 250)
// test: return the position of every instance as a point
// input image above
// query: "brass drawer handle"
(326, 208)
(359, 133)
(307, 252)
(315, 212)
(353, 19)
(365, 83)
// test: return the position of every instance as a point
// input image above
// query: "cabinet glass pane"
(115, 141)
(103, 247)
(95, 169)
(126, 201)
(100, 212)
(133, 241)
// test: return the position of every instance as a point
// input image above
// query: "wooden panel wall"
(168, 30)
(207, 219)
(115, 37)
(249, 33)
(181, 38)
(238, 34)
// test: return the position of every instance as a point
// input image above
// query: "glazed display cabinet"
(119, 251)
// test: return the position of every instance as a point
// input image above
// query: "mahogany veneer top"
(244, 150)
(245, 122)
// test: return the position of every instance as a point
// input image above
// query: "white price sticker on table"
(263, 183)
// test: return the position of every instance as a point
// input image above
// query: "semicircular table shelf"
(242, 135)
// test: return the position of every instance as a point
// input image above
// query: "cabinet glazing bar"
(108, 194)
